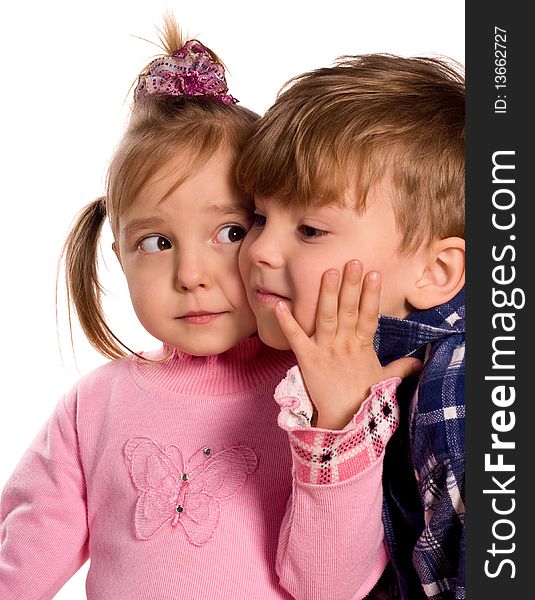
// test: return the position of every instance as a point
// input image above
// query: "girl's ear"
(442, 275)
(115, 248)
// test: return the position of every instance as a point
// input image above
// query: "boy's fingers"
(403, 367)
(296, 337)
(369, 307)
(348, 307)
(326, 317)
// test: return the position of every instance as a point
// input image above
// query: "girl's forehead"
(187, 170)
(207, 187)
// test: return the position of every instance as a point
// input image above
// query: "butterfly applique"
(184, 494)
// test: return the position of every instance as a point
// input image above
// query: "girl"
(167, 469)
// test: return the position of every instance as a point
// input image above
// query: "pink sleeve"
(43, 522)
(331, 542)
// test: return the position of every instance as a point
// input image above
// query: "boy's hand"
(338, 363)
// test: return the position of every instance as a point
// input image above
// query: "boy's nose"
(266, 250)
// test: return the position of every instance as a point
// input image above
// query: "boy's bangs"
(310, 172)
(293, 176)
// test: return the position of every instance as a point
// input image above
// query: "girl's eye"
(154, 243)
(259, 220)
(230, 234)
(311, 232)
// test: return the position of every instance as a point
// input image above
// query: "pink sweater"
(177, 482)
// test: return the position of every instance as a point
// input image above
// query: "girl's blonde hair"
(159, 126)
(370, 119)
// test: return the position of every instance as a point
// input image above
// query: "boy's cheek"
(244, 263)
(307, 318)
(305, 303)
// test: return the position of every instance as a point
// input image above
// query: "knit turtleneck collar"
(247, 365)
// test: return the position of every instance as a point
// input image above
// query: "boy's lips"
(265, 296)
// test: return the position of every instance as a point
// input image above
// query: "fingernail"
(355, 267)
(373, 277)
(332, 276)
(280, 307)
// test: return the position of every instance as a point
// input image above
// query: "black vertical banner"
(500, 402)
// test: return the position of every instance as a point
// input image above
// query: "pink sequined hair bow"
(190, 71)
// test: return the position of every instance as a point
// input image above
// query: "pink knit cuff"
(322, 456)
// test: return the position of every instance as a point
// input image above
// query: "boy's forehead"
(352, 198)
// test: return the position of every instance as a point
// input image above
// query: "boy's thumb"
(403, 367)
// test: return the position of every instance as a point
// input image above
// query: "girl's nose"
(192, 272)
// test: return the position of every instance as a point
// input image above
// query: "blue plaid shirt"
(423, 477)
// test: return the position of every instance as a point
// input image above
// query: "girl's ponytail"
(84, 291)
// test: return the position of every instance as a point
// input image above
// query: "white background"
(66, 69)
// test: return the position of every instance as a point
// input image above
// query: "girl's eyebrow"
(150, 222)
(140, 224)
(229, 210)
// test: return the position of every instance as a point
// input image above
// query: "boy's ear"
(442, 274)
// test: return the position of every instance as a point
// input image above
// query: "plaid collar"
(424, 465)
(395, 337)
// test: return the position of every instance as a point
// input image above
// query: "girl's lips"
(267, 297)
(201, 318)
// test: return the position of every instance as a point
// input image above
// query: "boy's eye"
(230, 234)
(259, 220)
(154, 243)
(311, 232)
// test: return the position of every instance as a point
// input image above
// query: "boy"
(365, 160)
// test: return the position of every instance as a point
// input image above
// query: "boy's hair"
(368, 120)
(160, 126)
